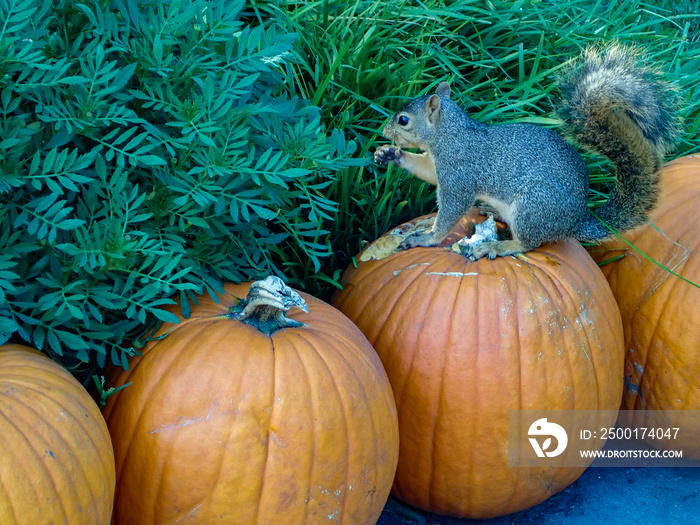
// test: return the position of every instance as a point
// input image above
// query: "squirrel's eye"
(403, 120)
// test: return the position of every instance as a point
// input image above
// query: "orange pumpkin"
(464, 343)
(223, 423)
(660, 312)
(56, 461)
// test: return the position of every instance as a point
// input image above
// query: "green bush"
(149, 149)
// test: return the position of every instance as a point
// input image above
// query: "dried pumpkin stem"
(265, 304)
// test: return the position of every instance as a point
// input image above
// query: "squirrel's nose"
(386, 132)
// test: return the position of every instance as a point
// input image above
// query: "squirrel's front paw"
(386, 154)
(417, 239)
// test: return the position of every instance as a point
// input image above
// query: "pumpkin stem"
(265, 304)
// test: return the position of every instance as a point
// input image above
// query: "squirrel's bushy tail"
(618, 107)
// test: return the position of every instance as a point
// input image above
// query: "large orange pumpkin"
(464, 343)
(223, 423)
(56, 461)
(660, 312)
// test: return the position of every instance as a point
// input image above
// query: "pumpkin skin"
(660, 311)
(56, 461)
(224, 424)
(465, 342)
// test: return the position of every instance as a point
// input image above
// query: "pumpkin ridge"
(367, 403)
(381, 286)
(10, 506)
(165, 454)
(402, 305)
(55, 485)
(588, 329)
(595, 303)
(559, 291)
(340, 328)
(395, 312)
(519, 482)
(480, 291)
(506, 319)
(271, 404)
(438, 411)
(578, 323)
(688, 393)
(519, 375)
(85, 431)
(562, 292)
(436, 295)
(31, 448)
(649, 350)
(341, 400)
(27, 372)
(345, 424)
(4, 501)
(305, 368)
(255, 334)
(37, 440)
(584, 329)
(519, 485)
(311, 462)
(518, 322)
(91, 443)
(136, 426)
(104, 467)
(250, 362)
(345, 337)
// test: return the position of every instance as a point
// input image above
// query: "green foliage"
(359, 61)
(149, 149)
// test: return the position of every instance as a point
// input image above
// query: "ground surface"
(601, 495)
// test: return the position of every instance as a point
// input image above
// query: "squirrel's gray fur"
(528, 176)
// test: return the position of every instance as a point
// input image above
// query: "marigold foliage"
(148, 149)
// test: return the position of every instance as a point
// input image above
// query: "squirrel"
(530, 177)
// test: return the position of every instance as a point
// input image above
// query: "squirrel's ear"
(432, 108)
(443, 89)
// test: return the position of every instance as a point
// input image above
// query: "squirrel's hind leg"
(487, 209)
